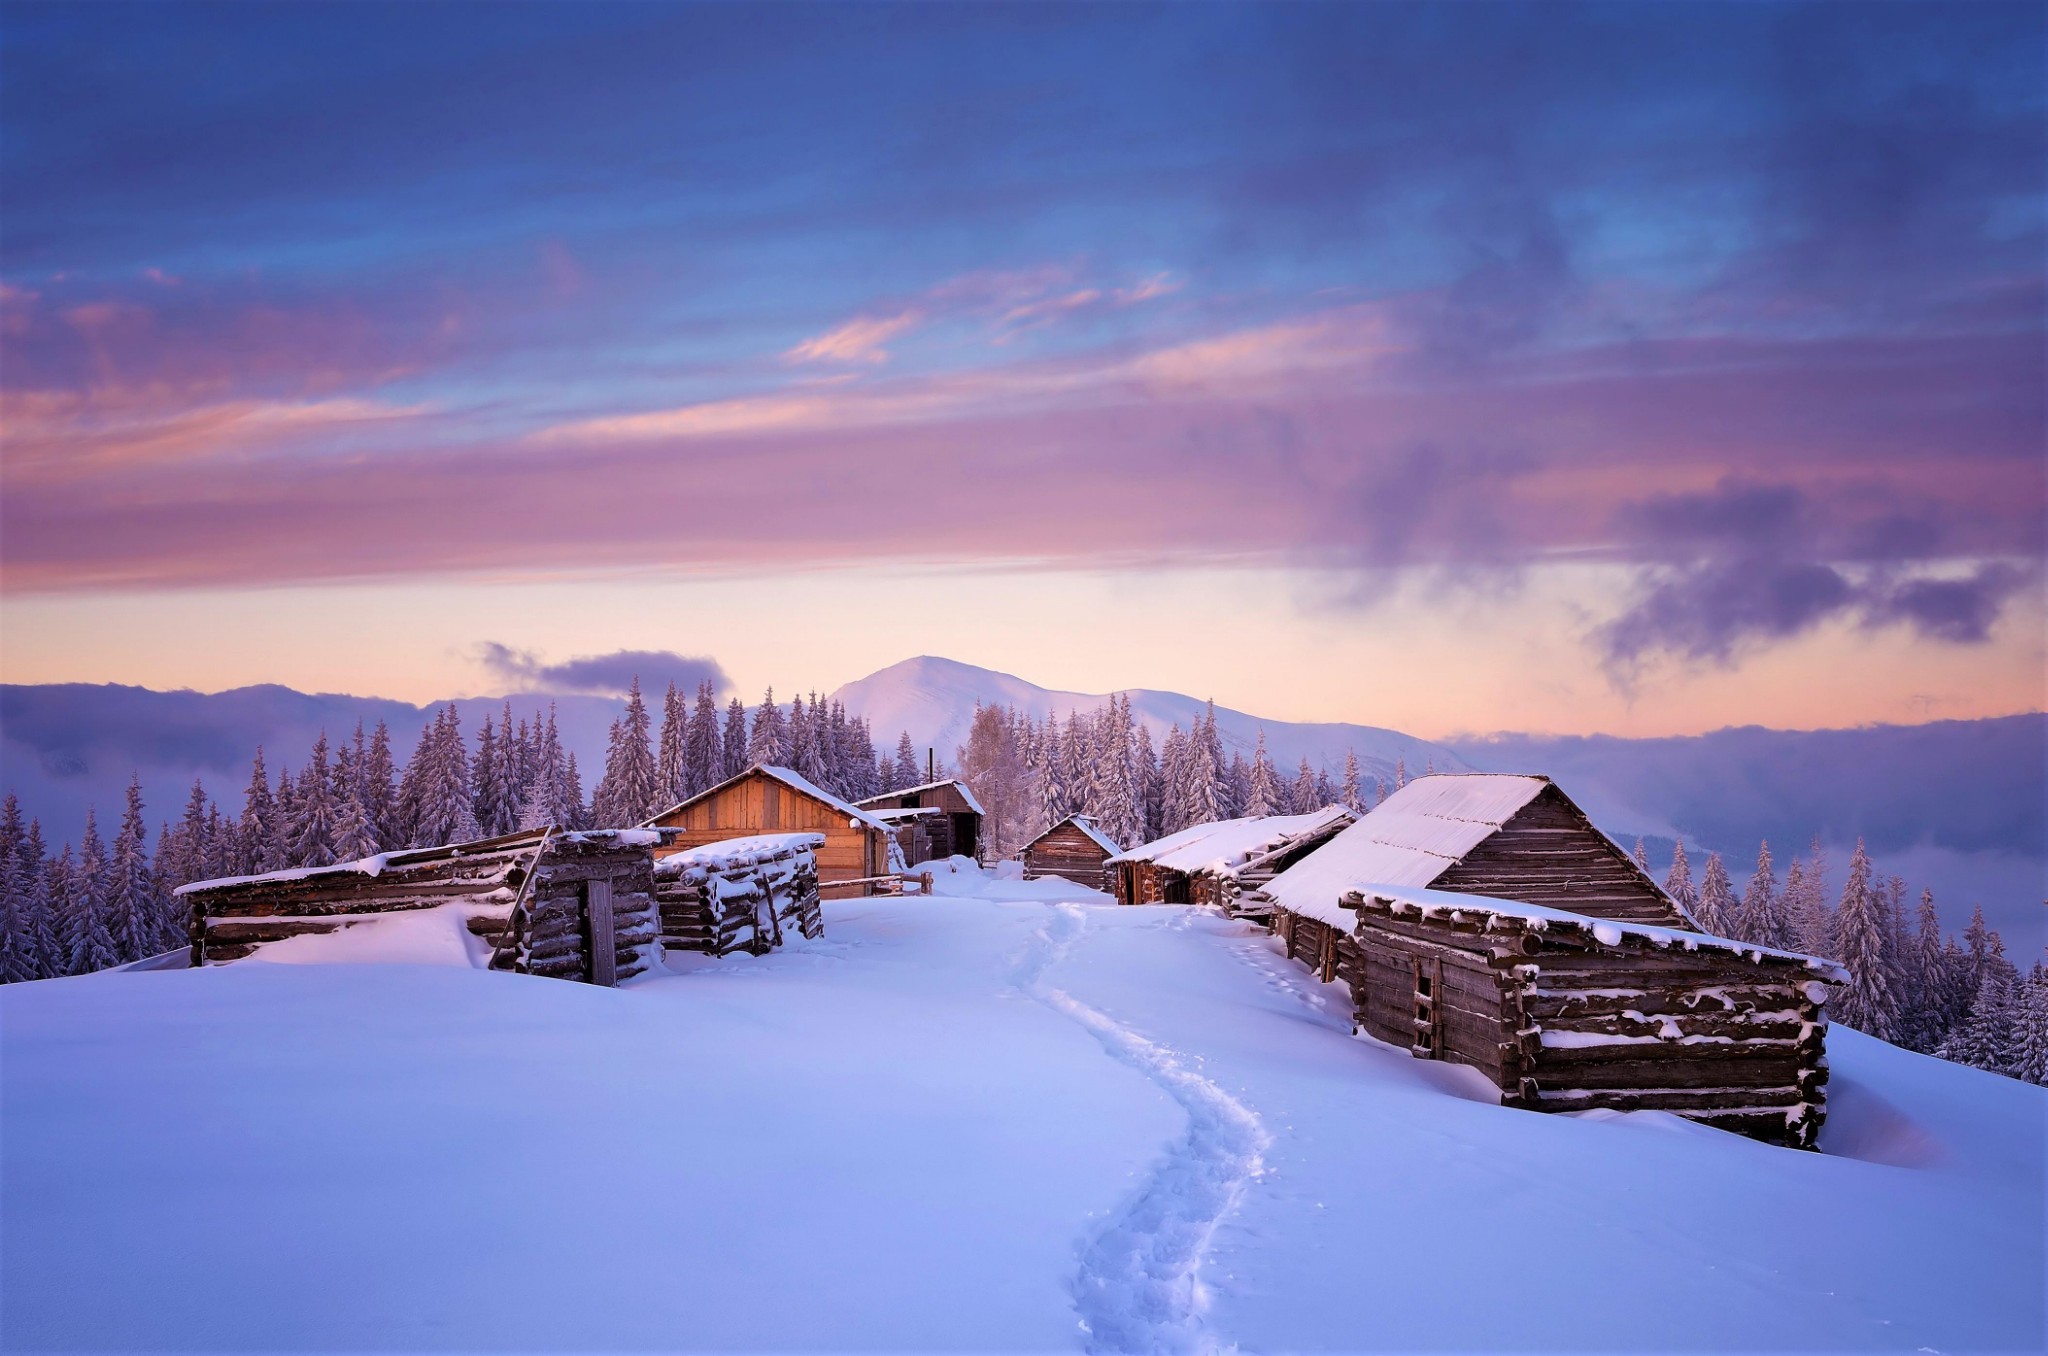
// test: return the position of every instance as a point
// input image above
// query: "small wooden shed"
(1568, 1013)
(951, 824)
(742, 894)
(564, 905)
(1073, 849)
(1220, 862)
(1482, 919)
(765, 800)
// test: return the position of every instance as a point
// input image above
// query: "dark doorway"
(964, 841)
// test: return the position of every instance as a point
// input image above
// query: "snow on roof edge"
(966, 793)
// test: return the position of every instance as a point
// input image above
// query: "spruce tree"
(1264, 796)
(1869, 1001)
(258, 832)
(1351, 795)
(907, 771)
(43, 950)
(629, 791)
(1717, 909)
(543, 805)
(1641, 857)
(1147, 763)
(672, 762)
(1763, 920)
(15, 962)
(91, 942)
(1678, 882)
(1173, 812)
(733, 741)
(379, 797)
(702, 756)
(1303, 798)
(1400, 773)
(1199, 800)
(769, 740)
(485, 798)
(1985, 1038)
(134, 919)
(311, 829)
(191, 853)
(2028, 1059)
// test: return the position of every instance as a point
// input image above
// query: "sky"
(1637, 369)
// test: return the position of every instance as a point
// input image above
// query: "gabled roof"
(1409, 839)
(377, 863)
(1226, 843)
(966, 793)
(795, 781)
(1086, 824)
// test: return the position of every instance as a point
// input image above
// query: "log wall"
(752, 905)
(1549, 853)
(1067, 852)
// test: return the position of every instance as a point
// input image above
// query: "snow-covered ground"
(1009, 1117)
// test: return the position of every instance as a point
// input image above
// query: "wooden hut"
(1073, 849)
(1220, 862)
(742, 894)
(950, 823)
(1482, 919)
(856, 852)
(542, 902)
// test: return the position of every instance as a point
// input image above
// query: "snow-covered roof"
(900, 814)
(1411, 838)
(1086, 824)
(795, 781)
(966, 793)
(1225, 843)
(735, 853)
(1541, 918)
(375, 864)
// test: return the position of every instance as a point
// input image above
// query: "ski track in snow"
(1139, 1285)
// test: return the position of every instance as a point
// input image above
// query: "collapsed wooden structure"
(1221, 863)
(936, 819)
(1073, 849)
(741, 894)
(1599, 993)
(858, 851)
(564, 905)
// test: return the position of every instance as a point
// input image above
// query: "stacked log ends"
(743, 894)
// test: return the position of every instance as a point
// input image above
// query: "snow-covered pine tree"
(1379, 791)
(672, 762)
(1076, 759)
(1813, 920)
(1641, 857)
(1351, 795)
(903, 772)
(511, 777)
(190, 851)
(1717, 908)
(77, 953)
(43, 949)
(702, 757)
(440, 777)
(1400, 773)
(629, 791)
(1049, 749)
(310, 831)
(1678, 881)
(1924, 1022)
(572, 794)
(807, 742)
(485, 796)
(15, 962)
(1122, 804)
(91, 941)
(1147, 763)
(1301, 798)
(1763, 920)
(134, 918)
(768, 741)
(1984, 1039)
(379, 794)
(1202, 774)
(1235, 787)
(732, 741)
(257, 835)
(1173, 782)
(1264, 796)
(860, 757)
(2028, 1060)
(1213, 737)
(353, 837)
(1869, 1001)
(542, 805)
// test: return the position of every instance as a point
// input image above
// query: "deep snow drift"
(1008, 1117)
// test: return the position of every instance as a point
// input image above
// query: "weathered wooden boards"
(566, 905)
(742, 894)
(1568, 1013)
(951, 822)
(1072, 849)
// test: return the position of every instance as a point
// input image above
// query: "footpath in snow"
(1012, 1117)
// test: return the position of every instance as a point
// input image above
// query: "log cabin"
(1221, 862)
(953, 825)
(742, 894)
(541, 902)
(1073, 849)
(764, 799)
(1483, 920)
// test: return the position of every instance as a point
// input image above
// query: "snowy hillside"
(1011, 1119)
(934, 699)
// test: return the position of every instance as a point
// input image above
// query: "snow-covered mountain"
(934, 700)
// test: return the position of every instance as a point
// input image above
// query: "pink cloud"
(859, 340)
